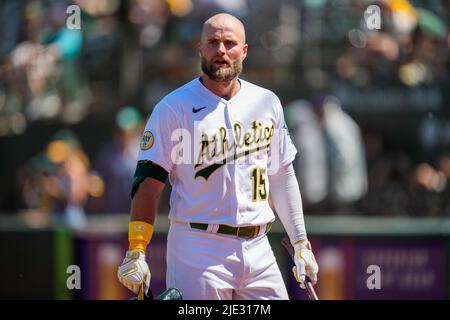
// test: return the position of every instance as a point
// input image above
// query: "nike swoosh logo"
(197, 110)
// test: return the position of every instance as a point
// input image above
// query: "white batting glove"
(134, 271)
(305, 263)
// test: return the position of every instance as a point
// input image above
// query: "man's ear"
(245, 49)
(199, 48)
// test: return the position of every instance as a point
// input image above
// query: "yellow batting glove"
(134, 270)
(305, 263)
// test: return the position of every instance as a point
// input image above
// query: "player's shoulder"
(180, 94)
(259, 91)
(172, 103)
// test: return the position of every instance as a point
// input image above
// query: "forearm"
(143, 212)
(145, 202)
(287, 201)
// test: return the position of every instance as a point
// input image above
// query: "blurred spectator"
(58, 181)
(40, 76)
(331, 162)
(311, 162)
(116, 162)
(429, 188)
(65, 47)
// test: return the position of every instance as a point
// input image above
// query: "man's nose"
(221, 48)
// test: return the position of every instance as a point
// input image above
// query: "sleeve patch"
(147, 140)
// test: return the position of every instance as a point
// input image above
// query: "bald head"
(224, 22)
(222, 47)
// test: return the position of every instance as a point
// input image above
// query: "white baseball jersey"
(218, 152)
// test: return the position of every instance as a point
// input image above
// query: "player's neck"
(222, 89)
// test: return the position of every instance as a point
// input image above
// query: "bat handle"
(141, 292)
(309, 288)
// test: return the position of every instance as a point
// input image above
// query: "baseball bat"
(141, 294)
(169, 294)
(308, 284)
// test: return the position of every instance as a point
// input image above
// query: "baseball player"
(223, 144)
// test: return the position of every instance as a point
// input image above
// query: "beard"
(222, 74)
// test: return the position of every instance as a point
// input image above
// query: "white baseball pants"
(211, 266)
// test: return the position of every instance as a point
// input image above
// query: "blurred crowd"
(62, 183)
(368, 109)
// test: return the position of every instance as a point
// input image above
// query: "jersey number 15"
(259, 191)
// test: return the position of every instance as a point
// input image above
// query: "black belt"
(243, 232)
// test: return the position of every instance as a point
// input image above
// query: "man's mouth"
(220, 62)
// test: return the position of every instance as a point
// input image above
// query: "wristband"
(139, 235)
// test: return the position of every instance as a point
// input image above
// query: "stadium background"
(72, 105)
